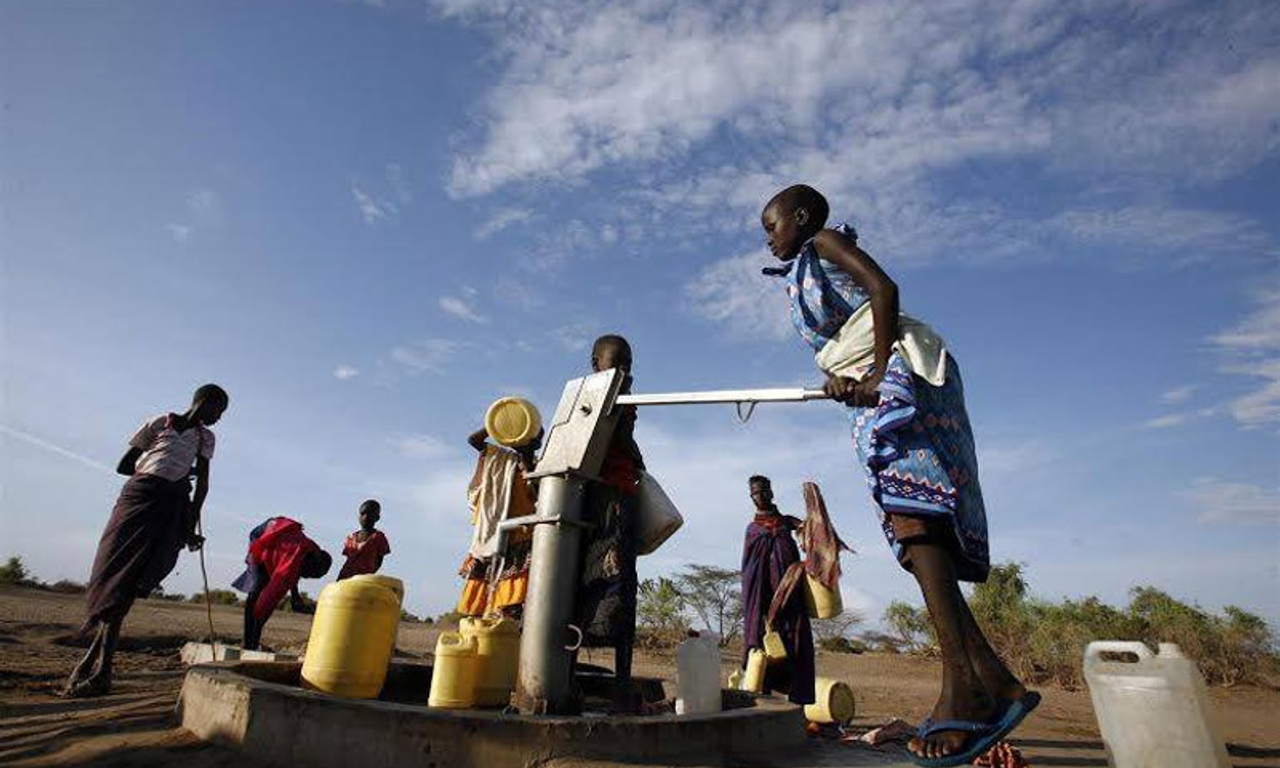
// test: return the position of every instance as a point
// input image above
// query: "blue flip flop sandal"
(983, 736)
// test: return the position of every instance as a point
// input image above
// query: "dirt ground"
(136, 726)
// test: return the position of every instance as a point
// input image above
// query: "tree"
(14, 574)
(715, 595)
(910, 624)
(660, 611)
(837, 626)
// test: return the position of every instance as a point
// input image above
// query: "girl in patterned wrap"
(914, 444)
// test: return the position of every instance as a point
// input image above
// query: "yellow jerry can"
(820, 601)
(352, 638)
(774, 649)
(453, 678)
(753, 678)
(389, 582)
(833, 702)
(497, 658)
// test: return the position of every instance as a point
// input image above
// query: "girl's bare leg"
(963, 695)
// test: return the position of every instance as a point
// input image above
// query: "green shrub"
(841, 645)
(217, 597)
(66, 587)
(14, 573)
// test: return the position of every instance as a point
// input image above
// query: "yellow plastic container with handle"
(512, 421)
(453, 678)
(389, 582)
(774, 648)
(497, 658)
(833, 702)
(352, 639)
(820, 601)
(753, 678)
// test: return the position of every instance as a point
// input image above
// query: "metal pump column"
(575, 445)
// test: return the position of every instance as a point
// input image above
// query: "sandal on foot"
(983, 736)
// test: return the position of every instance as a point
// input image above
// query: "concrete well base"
(257, 707)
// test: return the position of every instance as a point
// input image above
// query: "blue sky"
(367, 221)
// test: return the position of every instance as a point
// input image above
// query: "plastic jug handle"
(1099, 647)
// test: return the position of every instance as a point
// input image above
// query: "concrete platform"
(257, 707)
(201, 653)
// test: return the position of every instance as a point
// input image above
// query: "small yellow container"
(453, 679)
(753, 678)
(497, 658)
(512, 421)
(774, 649)
(821, 602)
(352, 638)
(833, 702)
(388, 582)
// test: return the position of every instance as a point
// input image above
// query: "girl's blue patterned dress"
(916, 446)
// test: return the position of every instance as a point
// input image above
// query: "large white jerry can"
(1155, 712)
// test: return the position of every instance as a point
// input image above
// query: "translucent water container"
(512, 421)
(497, 658)
(352, 639)
(1153, 712)
(698, 676)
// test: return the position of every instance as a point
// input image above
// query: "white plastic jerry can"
(1154, 712)
(698, 676)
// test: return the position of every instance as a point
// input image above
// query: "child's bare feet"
(96, 685)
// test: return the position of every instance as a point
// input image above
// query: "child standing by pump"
(366, 548)
(607, 591)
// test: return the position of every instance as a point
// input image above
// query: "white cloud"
(461, 309)
(423, 447)
(180, 232)
(385, 203)
(1167, 421)
(345, 372)
(1177, 394)
(204, 206)
(426, 356)
(708, 108)
(1222, 502)
(1182, 235)
(1252, 348)
(504, 218)
(372, 211)
(575, 337)
(517, 293)
(733, 292)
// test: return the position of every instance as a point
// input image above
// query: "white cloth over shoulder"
(490, 498)
(851, 353)
(168, 453)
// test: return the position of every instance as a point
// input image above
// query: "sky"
(367, 221)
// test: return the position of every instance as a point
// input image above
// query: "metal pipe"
(782, 395)
(545, 682)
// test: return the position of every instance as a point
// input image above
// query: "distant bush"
(409, 617)
(15, 574)
(217, 597)
(841, 645)
(660, 619)
(1043, 641)
(159, 594)
(449, 619)
(67, 587)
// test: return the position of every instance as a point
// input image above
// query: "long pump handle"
(782, 395)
